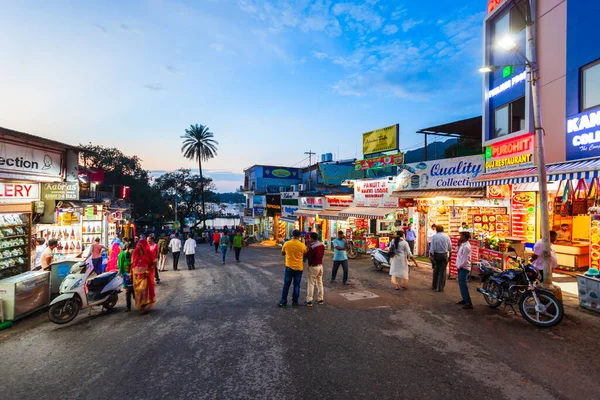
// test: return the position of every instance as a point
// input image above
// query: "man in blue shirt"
(411, 236)
(340, 257)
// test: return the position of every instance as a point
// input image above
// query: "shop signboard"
(339, 201)
(510, 154)
(492, 4)
(312, 203)
(290, 195)
(406, 203)
(281, 173)
(60, 191)
(259, 201)
(499, 191)
(28, 160)
(19, 192)
(375, 193)
(289, 207)
(273, 206)
(523, 215)
(450, 173)
(583, 135)
(248, 212)
(259, 212)
(384, 242)
(379, 162)
(381, 140)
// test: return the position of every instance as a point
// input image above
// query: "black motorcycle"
(519, 286)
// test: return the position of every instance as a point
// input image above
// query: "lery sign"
(375, 193)
(441, 174)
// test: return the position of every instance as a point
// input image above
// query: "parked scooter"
(380, 258)
(77, 292)
(351, 250)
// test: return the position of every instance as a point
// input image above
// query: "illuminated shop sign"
(441, 174)
(583, 135)
(510, 154)
(493, 4)
(504, 86)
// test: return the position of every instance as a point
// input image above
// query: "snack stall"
(362, 227)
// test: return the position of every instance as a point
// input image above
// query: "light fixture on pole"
(510, 44)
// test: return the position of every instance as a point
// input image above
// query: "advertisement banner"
(375, 193)
(380, 140)
(379, 162)
(60, 191)
(282, 173)
(583, 135)
(441, 174)
(259, 201)
(312, 203)
(523, 215)
(339, 201)
(16, 192)
(29, 160)
(273, 205)
(515, 153)
(259, 212)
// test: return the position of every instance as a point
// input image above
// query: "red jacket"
(216, 238)
(315, 254)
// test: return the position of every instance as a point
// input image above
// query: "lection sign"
(381, 140)
(510, 154)
(375, 193)
(441, 174)
(29, 160)
(583, 135)
(379, 162)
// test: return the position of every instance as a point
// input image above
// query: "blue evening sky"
(272, 79)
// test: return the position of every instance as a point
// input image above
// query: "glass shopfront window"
(590, 86)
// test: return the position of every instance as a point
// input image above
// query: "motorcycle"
(380, 258)
(351, 250)
(520, 286)
(77, 292)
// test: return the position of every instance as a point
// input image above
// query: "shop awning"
(290, 220)
(366, 212)
(556, 172)
(332, 214)
(423, 194)
(308, 213)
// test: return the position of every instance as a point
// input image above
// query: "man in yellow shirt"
(294, 251)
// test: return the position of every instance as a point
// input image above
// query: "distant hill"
(435, 151)
(234, 198)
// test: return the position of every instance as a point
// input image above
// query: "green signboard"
(60, 191)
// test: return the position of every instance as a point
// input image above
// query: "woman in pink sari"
(143, 264)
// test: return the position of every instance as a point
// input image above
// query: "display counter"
(572, 257)
(25, 293)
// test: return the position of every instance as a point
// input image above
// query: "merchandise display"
(14, 244)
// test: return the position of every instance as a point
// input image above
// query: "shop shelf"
(12, 226)
(91, 233)
(10, 247)
(12, 237)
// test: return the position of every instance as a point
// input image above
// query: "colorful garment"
(142, 269)
(113, 257)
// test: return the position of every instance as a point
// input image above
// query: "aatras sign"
(583, 135)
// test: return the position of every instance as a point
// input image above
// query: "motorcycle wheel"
(552, 311)
(111, 302)
(351, 253)
(378, 265)
(63, 312)
(492, 287)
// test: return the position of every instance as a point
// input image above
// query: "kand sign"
(510, 154)
(19, 192)
(312, 203)
(492, 5)
(583, 135)
(375, 193)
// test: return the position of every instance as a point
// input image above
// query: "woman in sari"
(143, 264)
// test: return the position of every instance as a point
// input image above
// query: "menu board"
(495, 258)
(595, 242)
(498, 224)
(371, 244)
(384, 242)
(523, 215)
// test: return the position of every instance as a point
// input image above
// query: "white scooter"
(380, 258)
(77, 292)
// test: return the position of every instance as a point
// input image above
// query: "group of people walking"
(224, 240)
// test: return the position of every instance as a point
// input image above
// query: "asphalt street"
(216, 333)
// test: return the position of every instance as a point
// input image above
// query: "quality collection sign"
(16, 192)
(380, 140)
(583, 135)
(514, 153)
(441, 174)
(375, 193)
(29, 160)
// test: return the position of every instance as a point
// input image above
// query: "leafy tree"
(199, 144)
(120, 169)
(189, 191)
(235, 198)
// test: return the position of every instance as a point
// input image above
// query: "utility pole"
(310, 154)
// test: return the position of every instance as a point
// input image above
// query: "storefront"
(274, 228)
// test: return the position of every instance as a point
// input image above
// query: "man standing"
(430, 232)
(411, 236)
(238, 242)
(315, 253)
(39, 250)
(440, 252)
(163, 250)
(189, 249)
(209, 236)
(154, 251)
(538, 249)
(216, 241)
(175, 247)
(294, 251)
(47, 256)
(463, 263)
(340, 257)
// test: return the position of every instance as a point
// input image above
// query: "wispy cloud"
(390, 29)
(319, 55)
(101, 28)
(220, 47)
(155, 87)
(409, 24)
(359, 17)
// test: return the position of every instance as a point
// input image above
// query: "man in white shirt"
(430, 232)
(175, 247)
(39, 250)
(440, 252)
(463, 264)
(189, 249)
(538, 249)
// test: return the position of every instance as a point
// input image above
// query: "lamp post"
(530, 61)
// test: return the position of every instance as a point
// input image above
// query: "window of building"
(509, 118)
(590, 86)
(512, 22)
(502, 27)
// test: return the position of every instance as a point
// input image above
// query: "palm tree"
(198, 144)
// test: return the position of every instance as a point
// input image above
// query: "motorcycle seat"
(490, 270)
(99, 282)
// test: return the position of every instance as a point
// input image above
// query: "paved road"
(216, 333)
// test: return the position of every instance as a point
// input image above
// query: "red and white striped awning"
(367, 212)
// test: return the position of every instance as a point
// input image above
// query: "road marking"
(353, 296)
